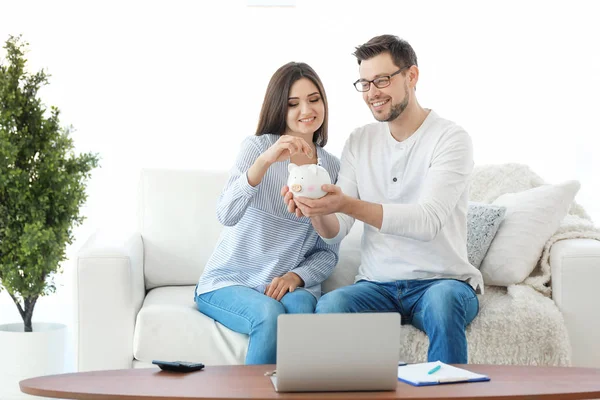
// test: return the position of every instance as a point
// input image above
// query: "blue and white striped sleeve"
(319, 263)
(236, 195)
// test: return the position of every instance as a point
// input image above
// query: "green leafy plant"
(42, 184)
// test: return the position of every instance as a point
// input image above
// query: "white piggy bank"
(306, 180)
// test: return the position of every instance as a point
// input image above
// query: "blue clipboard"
(437, 373)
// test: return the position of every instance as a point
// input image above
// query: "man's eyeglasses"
(363, 85)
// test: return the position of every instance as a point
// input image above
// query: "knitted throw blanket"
(491, 181)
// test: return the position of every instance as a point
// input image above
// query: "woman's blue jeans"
(248, 311)
(442, 308)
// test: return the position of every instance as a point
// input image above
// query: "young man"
(406, 177)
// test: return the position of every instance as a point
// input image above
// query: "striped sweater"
(261, 239)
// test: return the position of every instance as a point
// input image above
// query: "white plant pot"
(29, 354)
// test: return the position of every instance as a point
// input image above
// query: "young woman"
(269, 261)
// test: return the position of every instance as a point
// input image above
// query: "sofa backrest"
(178, 223)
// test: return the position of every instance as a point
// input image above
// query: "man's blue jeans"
(442, 308)
(248, 311)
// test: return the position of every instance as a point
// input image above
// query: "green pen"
(434, 369)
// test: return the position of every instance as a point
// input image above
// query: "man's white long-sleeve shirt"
(422, 184)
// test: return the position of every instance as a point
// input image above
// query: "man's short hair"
(401, 51)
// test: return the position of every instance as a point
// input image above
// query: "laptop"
(337, 352)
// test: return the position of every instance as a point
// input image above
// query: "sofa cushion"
(483, 221)
(515, 326)
(532, 217)
(170, 327)
(178, 222)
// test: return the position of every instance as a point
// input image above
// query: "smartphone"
(178, 366)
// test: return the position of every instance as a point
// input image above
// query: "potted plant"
(42, 187)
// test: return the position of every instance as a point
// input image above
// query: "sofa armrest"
(575, 277)
(109, 291)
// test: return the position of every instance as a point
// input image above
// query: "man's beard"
(397, 109)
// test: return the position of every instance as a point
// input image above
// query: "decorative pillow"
(483, 221)
(532, 217)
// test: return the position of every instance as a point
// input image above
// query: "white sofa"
(135, 296)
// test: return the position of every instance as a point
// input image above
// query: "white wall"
(178, 84)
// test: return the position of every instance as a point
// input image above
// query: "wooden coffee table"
(249, 382)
